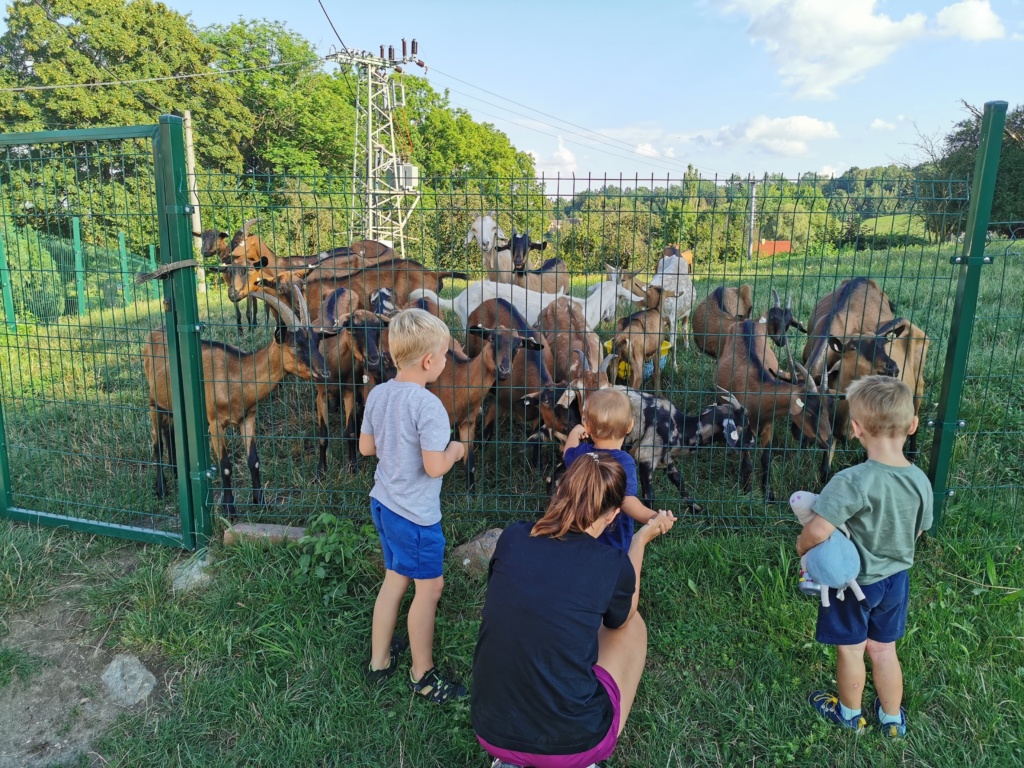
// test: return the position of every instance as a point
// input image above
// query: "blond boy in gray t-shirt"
(407, 429)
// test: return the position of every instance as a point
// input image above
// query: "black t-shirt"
(534, 689)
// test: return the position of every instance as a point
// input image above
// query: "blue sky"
(743, 86)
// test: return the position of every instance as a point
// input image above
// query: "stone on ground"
(128, 681)
(475, 555)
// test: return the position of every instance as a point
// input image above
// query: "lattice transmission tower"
(385, 187)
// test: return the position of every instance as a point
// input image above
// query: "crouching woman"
(561, 645)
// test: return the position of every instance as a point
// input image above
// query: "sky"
(744, 86)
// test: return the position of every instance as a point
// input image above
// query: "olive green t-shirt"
(884, 507)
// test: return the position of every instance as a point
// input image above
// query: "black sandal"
(398, 647)
(434, 687)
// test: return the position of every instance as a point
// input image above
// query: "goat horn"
(811, 386)
(300, 302)
(603, 368)
(789, 301)
(730, 397)
(775, 295)
(824, 378)
(245, 227)
(583, 359)
(283, 310)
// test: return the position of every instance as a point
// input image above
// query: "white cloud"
(970, 19)
(819, 45)
(878, 124)
(646, 149)
(788, 136)
(561, 161)
(829, 171)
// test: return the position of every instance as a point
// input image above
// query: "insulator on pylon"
(404, 51)
(382, 51)
(391, 53)
(415, 47)
(399, 69)
(419, 63)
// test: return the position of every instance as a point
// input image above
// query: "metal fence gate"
(79, 209)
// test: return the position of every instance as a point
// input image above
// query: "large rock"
(475, 555)
(191, 574)
(128, 681)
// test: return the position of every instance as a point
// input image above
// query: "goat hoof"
(258, 499)
(695, 509)
(769, 497)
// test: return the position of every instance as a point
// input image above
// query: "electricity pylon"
(385, 186)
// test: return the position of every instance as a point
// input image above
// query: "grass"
(17, 664)
(266, 666)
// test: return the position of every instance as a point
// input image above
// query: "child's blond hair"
(882, 405)
(607, 414)
(413, 334)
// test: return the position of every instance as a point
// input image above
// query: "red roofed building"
(772, 247)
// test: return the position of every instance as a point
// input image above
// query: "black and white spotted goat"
(662, 433)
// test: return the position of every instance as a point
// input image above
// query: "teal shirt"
(884, 507)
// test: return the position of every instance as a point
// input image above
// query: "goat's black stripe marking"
(749, 338)
(718, 296)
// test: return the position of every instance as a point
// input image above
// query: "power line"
(631, 148)
(216, 73)
(344, 71)
(344, 47)
(561, 138)
(540, 112)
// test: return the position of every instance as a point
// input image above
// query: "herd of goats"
(533, 344)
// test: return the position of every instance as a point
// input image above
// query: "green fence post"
(76, 234)
(183, 328)
(154, 290)
(5, 278)
(947, 421)
(125, 275)
(5, 468)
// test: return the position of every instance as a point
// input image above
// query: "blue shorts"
(412, 550)
(881, 616)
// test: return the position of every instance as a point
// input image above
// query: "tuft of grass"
(18, 664)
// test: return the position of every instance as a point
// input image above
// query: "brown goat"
(638, 338)
(234, 382)
(749, 369)
(899, 349)
(564, 328)
(551, 277)
(464, 383)
(528, 371)
(715, 318)
(856, 308)
(355, 356)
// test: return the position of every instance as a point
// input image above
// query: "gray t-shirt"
(405, 420)
(884, 507)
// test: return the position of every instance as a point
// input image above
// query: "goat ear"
(897, 331)
(836, 345)
(481, 331)
(731, 433)
(531, 343)
(531, 399)
(262, 262)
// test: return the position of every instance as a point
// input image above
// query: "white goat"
(673, 276)
(497, 257)
(528, 303)
(600, 302)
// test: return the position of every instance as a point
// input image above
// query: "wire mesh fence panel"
(988, 457)
(567, 272)
(73, 217)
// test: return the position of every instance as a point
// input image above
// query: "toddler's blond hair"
(608, 414)
(413, 334)
(882, 405)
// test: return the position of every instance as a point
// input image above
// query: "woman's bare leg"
(623, 653)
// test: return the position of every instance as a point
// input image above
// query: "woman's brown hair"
(594, 485)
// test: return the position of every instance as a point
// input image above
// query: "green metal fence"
(803, 238)
(75, 417)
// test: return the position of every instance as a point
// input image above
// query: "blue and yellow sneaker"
(892, 730)
(827, 705)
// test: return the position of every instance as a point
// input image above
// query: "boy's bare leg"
(421, 624)
(850, 674)
(887, 675)
(385, 615)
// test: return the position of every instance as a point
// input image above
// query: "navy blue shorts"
(881, 616)
(412, 550)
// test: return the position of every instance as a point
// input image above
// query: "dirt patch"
(54, 716)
